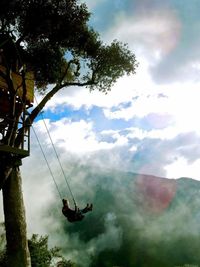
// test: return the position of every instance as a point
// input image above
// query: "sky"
(147, 124)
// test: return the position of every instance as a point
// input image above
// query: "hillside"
(138, 221)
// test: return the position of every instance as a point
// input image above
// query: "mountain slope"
(138, 221)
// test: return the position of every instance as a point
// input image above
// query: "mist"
(138, 220)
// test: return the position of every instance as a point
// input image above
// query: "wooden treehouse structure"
(16, 97)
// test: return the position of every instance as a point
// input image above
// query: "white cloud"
(167, 133)
(153, 38)
(181, 106)
(179, 101)
(124, 90)
(106, 148)
(138, 32)
(140, 107)
(82, 97)
(154, 35)
(76, 137)
(181, 168)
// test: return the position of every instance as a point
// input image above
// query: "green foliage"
(65, 263)
(42, 256)
(54, 40)
(110, 63)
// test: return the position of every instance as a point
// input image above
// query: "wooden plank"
(17, 84)
(3, 83)
(8, 149)
(29, 80)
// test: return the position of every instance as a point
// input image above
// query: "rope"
(47, 163)
(51, 143)
(55, 151)
(59, 161)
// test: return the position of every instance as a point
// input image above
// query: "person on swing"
(76, 214)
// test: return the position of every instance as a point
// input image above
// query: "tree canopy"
(53, 39)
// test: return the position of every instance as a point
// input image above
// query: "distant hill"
(138, 221)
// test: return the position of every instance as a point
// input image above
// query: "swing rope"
(52, 175)
(58, 159)
(52, 145)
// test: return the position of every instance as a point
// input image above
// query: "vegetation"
(41, 255)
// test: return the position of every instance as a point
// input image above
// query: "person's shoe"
(90, 207)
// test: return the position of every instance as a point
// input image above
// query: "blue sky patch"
(95, 114)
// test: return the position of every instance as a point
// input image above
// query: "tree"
(53, 40)
(40, 253)
(42, 256)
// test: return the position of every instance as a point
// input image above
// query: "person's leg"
(87, 208)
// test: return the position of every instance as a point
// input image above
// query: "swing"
(72, 215)
(76, 214)
(27, 94)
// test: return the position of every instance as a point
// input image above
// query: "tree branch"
(35, 113)
(72, 61)
(89, 82)
(66, 71)
(42, 104)
(48, 96)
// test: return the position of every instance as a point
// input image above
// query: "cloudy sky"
(148, 123)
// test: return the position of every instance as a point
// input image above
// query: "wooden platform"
(13, 150)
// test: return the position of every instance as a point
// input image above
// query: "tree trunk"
(15, 222)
